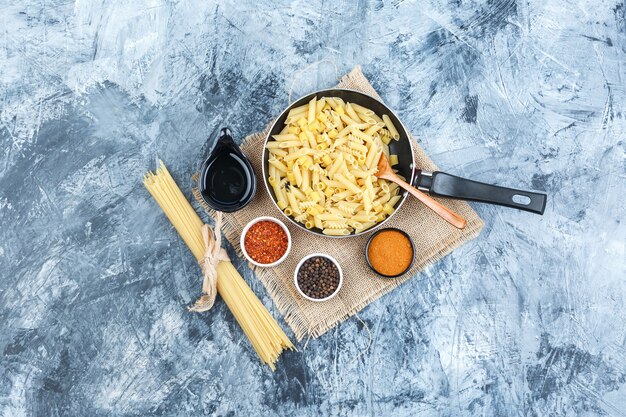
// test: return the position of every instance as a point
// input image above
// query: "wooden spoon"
(385, 172)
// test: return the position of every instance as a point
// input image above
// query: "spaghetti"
(266, 337)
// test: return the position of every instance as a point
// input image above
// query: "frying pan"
(435, 183)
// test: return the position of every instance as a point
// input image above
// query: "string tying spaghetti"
(213, 255)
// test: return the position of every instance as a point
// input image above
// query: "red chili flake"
(265, 242)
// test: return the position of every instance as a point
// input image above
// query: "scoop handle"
(444, 212)
(446, 185)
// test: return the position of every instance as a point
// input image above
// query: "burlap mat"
(433, 237)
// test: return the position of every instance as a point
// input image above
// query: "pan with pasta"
(320, 160)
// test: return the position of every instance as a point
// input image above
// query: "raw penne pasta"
(369, 187)
(392, 129)
(320, 105)
(298, 110)
(367, 202)
(368, 120)
(336, 166)
(311, 139)
(339, 101)
(279, 192)
(373, 155)
(318, 222)
(285, 137)
(374, 128)
(315, 178)
(272, 145)
(344, 132)
(278, 152)
(292, 156)
(279, 165)
(298, 193)
(393, 200)
(385, 150)
(282, 204)
(297, 175)
(359, 173)
(377, 118)
(348, 184)
(332, 183)
(342, 195)
(306, 181)
(361, 109)
(382, 199)
(364, 218)
(366, 225)
(350, 111)
(355, 224)
(333, 224)
(273, 172)
(336, 232)
(329, 216)
(348, 120)
(293, 203)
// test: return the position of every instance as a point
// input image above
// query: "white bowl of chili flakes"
(265, 241)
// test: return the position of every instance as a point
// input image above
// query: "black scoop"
(227, 181)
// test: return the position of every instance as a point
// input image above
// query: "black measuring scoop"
(227, 181)
(445, 185)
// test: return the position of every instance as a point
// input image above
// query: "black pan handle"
(446, 185)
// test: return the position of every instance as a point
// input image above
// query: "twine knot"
(213, 255)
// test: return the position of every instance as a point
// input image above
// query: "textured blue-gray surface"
(527, 320)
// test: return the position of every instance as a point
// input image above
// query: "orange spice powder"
(390, 252)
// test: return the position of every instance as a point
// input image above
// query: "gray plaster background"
(527, 320)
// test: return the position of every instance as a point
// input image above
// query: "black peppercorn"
(318, 277)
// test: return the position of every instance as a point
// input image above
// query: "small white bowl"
(245, 231)
(295, 276)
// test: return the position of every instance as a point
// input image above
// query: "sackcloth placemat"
(433, 237)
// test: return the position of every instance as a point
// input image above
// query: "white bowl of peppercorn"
(265, 241)
(318, 277)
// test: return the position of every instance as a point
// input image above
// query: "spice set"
(266, 242)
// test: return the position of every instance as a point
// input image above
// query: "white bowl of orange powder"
(265, 241)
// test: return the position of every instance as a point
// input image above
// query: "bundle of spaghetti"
(266, 337)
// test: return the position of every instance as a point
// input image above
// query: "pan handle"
(446, 185)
